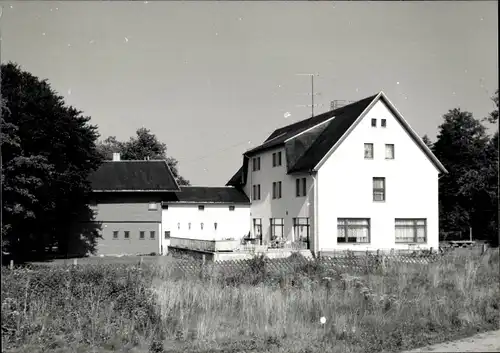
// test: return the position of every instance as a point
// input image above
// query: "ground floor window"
(301, 229)
(410, 230)
(277, 228)
(353, 230)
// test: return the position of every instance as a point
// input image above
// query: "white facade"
(345, 185)
(288, 207)
(214, 222)
(344, 181)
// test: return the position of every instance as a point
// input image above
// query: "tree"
(48, 151)
(144, 145)
(427, 141)
(467, 194)
(493, 116)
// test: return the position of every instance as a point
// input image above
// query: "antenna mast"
(312, 105)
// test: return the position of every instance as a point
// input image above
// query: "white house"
(357, 178)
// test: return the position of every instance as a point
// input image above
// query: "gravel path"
(483, 342)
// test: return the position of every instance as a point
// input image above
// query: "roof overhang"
(135, 190)
(402, 121)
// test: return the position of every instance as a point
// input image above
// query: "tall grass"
(154, 309)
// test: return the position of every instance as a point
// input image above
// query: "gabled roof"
(150, 176)
(207, 194)
(308, 142)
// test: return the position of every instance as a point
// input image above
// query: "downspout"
(315, 215)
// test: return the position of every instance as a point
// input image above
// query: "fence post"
(203, 259)
(75, 262)
(483, 249)
(140, 262)
(11, 265)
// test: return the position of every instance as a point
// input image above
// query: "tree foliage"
(48, 151)
(469, 193)
(144, 145)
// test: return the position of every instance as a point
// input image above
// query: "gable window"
(115, 234)
(167, 234)
(383, 123)
(353, 230)
(231, 208)
(257, 228)
(201, 208)
(410, 230)
(141, 234)
(368, 150)
(153, 206)
(378, 189)
(301, 229)
(152, 234)
(277, 228)
(255, 164)
(389, 151)
(374, 122)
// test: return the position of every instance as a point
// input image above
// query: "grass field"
(121, 307)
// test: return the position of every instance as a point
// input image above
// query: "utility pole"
(312, 105)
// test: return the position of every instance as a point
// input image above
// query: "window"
(141, 235)
(255, 193)
(277, 190)
(378, 189)
(201, 208)
(255, 164)
(153, 206)
(353, 230)
(383, 123)
(231, 208)
(368, 150)
(279, 158)
(115, 234)
(277, 228)
(274, 159)
(389, 151)
(412, 230)
(374, 122)
(126, 234)
(167, 234)
(257, 228)
(201, 224)
(301, 229)
(152, 234)
(300, 189)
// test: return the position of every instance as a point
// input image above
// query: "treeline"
(48, 150)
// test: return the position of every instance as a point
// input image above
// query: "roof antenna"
(312, 105)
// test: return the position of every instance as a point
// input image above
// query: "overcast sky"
(213, 79)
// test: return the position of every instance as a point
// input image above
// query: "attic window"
(231, 208)
(201, 208)
(153, 206)
(383, 123)
(374, 122)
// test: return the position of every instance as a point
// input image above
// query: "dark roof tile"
(152, 175)
(206, 194)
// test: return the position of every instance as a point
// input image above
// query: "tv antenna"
(312, 105)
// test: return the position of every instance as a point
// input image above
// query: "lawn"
(123, 307)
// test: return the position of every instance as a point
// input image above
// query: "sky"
(214, 79)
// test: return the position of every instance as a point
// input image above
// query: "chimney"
(337, 103)
(116, 157)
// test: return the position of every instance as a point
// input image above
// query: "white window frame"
(388, 148)
(415, 226)
(350, 224)
(376, 191)
(371, 149)
(277, 222)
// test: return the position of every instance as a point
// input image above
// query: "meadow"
(306, 307)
